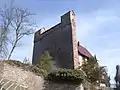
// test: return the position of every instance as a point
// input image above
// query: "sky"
(98, 24)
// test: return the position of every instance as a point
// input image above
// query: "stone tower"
(60, 41)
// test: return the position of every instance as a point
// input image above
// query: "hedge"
(68, 76)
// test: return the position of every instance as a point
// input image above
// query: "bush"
(45, 62)
(66, 76)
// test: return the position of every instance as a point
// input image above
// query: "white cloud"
(98, 31)
(88, 24)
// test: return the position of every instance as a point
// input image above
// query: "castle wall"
(60, 41)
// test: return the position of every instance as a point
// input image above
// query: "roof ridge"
(82, 50)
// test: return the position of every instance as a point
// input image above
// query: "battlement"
(66, 19)
(60, 40)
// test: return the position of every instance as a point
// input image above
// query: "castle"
(60, 40)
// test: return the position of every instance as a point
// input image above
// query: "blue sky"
(98, 24)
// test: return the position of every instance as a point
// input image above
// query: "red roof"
(84, 51)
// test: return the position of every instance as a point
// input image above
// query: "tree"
(90, 67)
(21, 26)
(104, 76)
(5, 20)
(16, 21)
(45, 61)
(3, 43)
(94, 71)
(96, 74)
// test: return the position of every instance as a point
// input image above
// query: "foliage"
(4, 25)
(94, 71)
(66, 75)
(104, 76)
(90, 67)
(45, 61)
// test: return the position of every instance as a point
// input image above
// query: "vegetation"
(104, 76)
(90, 67)
(61, 75)
(15, 24)
(66, 75)
(27, 67)
(95, 73)
(45, 62)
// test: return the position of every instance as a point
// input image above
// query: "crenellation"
(63, 36)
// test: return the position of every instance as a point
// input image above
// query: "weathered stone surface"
(54, 86)
(60, 41)
(21, 78)
(29, 80)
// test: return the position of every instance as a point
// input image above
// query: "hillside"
(15, 75)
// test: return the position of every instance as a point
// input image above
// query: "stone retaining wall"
(32, 82)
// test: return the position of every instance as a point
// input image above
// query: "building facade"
(61, 42)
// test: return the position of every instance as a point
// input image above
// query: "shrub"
(45, 62)
(66, 76)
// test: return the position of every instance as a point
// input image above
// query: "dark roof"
(83, 51)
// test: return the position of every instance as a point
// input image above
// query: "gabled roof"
(83, 51)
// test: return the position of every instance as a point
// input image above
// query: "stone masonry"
(29, 80)
(60, 41)
(32, 82)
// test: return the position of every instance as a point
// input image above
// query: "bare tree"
(5, 20)
(20, 26)
(3, 43)
(16, 22)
